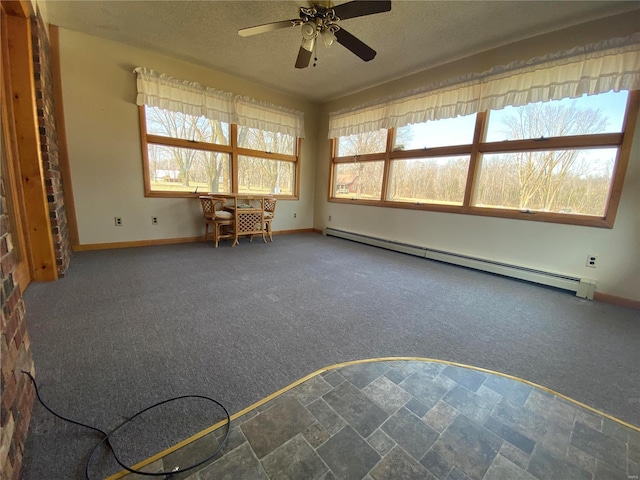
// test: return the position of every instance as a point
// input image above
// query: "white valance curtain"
(596, 68)
(191, 98)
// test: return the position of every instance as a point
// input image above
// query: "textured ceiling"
(413, 36)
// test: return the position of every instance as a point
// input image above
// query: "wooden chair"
(249, 218)
(221, 221)
(269, 213)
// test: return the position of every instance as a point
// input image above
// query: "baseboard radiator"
(583, 287)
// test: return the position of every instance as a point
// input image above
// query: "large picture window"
(185, 155)
(558, 161)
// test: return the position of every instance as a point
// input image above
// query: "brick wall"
(17, 392)
(49, 144)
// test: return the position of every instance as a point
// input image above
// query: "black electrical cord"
(106, 436)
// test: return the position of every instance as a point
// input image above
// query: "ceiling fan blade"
(268, 27)
(304, 55)
(361, 49)
(359, 8)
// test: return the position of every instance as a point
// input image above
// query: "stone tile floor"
(414, 420)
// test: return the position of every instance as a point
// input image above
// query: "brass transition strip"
(221, 423)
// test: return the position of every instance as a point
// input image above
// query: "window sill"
(161, 194)
(535, 216)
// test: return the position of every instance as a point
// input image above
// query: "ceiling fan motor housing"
(320, 19)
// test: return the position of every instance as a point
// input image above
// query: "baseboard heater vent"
(583, 287)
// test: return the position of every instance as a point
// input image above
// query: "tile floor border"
(337, 366)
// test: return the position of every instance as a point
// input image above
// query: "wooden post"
(39, 238)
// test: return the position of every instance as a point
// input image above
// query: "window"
(586, 115)
(558, 161)
(559, 181)
(438, 180)
(263, 175)
(437, 133)
(362, 144)
(185, 156)
(359, 180)
(270, 142)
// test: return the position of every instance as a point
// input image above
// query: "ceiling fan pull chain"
(315, 54)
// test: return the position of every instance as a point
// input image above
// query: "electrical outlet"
(154, 220)
(117, 221)
(592, 261)
(295, 215)
(329, 217)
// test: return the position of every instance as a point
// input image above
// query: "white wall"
(103, 135)
(546, 246)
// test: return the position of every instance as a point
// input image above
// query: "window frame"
(621, 141)
(233, 150)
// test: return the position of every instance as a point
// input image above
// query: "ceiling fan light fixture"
(309, 31)
(328, 37)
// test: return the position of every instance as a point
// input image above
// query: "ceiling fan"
(322, 21)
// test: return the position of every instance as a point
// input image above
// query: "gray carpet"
(127, 328)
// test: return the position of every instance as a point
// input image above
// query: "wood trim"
(42, 259)
(367, 157)
(18, 8)
(135, 243)
(474, 159)
(293, 231)
(583, 220)
(622, 161)
(13, 186)
(296, 168)
(170, 194)
(615, 300)
(386, 168)
(234, 157)
(142, 119)
(184, 194)
(163, 241)
(601, 140)
(332, 167)
(61, 129)
(182, 143)
(406, 205)
(247, 152)
(452, 151)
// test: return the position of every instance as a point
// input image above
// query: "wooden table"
(248, 211)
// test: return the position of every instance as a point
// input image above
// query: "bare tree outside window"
(361, 179)
(176, 166)
(429, 180)
(440, 180)
(561, 181)
(263, 175)
(362, 143)
(266, 141)
(184, 168)
(214, 166)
